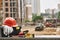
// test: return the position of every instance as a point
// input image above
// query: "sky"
(45, 4)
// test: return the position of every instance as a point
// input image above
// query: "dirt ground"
(46, 31)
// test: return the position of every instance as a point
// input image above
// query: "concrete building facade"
(10, 8)
(21, 10)
(36, 6)
(58, 6)
(25, 10)
(52, 12)
(18, 8)
(28, 15)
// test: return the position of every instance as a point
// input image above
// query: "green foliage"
(33, 16)
(27, 21)
(59, 14)
(36, 18)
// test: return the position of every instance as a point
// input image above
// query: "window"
(6, 9)
(14, 0)
(10, 14)
(11, 4)
(6, 4)
(14, 9)
(6, 14)
(6, 0)
(14, 14)
(1, 3)
(10, 0)
(10, 9)
(14, 4)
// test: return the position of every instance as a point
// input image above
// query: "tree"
(27, 21)
(59, 15)
(33, 15)
(36, 18)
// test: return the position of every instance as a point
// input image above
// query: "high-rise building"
(28, 1)
(32, 6)
(28, 14)
(28, 10)
(10, 8)
(25, 10)
(52, 12)
(21, 9)
(58, 7)
(36, 6)
(17, 8)
(48, 11)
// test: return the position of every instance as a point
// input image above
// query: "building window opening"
(6, 9)
(6, 15)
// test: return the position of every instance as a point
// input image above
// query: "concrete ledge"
(29, 38)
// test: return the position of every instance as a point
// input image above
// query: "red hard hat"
(9, 21)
